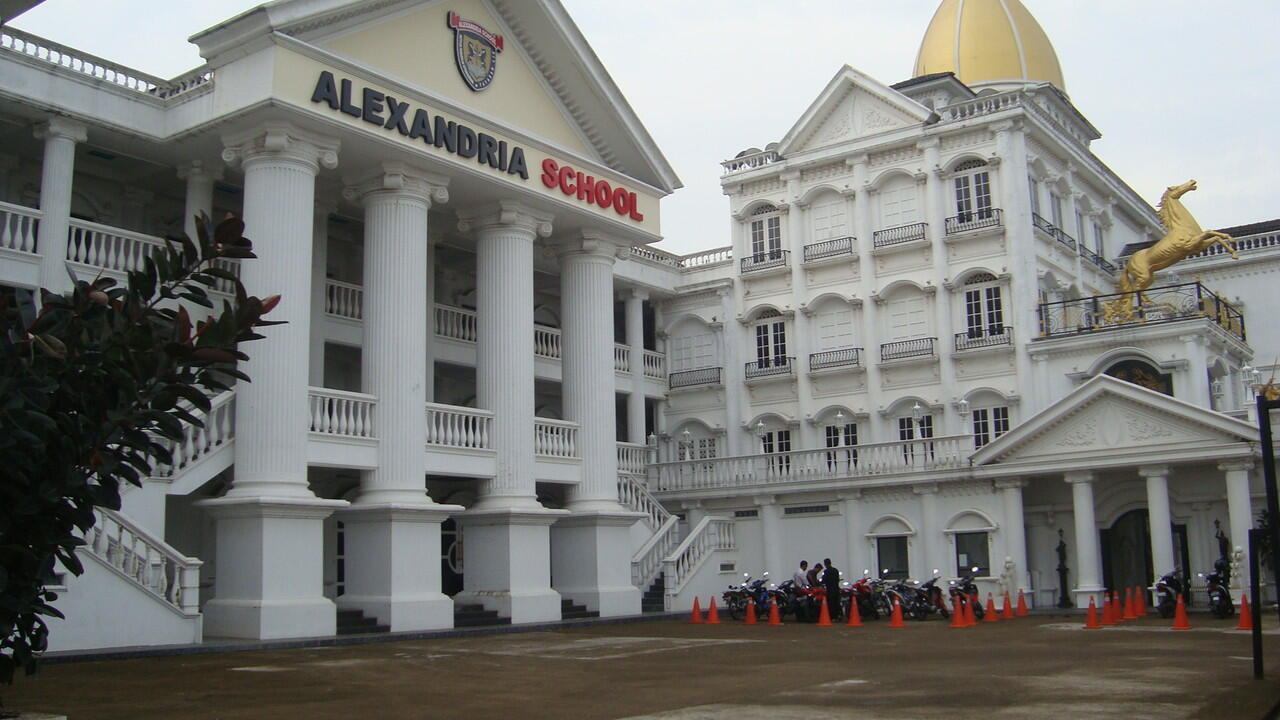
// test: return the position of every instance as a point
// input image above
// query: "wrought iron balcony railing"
(847, 357)
(899, 235)
(984, 337)
(1170, 303)
(693, 378)
(765, 260)
(1053, 231)
(1096, 259)
(903, 349)
(771, 366)
(828, 249)
(975, 220)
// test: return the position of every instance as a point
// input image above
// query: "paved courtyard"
(1039, 667)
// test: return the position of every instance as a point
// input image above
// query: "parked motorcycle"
(1167, 590)
(920, 600)
(734, 599)
(1220, 603)
(964, 590)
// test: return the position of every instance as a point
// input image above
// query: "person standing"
(799, 576)
(831, 580)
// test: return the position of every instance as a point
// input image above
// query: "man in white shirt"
(799, 577)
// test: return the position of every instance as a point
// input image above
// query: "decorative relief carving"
(873, 119)
(762, 186)
(824, 172)
(1083, 434)
(1143, 428)
(894, 156)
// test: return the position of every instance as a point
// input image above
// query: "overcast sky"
(1179, 88)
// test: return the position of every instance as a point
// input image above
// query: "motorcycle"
(1220, 603)
(1168, 588)
(963, 592)
(734, 599)
(920, 600)
(863, 592)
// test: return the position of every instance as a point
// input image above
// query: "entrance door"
(1126, 552)
(450, 558)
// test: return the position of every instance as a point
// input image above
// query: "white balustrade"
(711, 534)
(643, 252)
(459, 427)
(455, 323)
(707, 257)
(646, 563)
(19, 226)
(347, 414)
(852, 462)
(109, 248)
(755, 160)
(555, 438)
(146, 560)
(546, 342)
(343, 300)
(633, 495)
(197, 442)
(655, 365)
(621, 358)
(633, 458)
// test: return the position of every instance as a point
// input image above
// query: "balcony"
(833, 359)
(1097, 260)
(828, 250)
(1168, 304)
(981, 219)
(702, 377)
(770, 367)
(984, 337)
(764, 262)
(908, 349)
(900, 235)
(813, 466)
(1053, 231)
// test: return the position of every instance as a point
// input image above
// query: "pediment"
(852, 106)
(1109, 417)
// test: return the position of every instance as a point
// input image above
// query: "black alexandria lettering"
(372, 106)
(396, 118)
(518, 166)
(466, 142)
(488, 151)
(502, 155)
(347, 107)
(421, 127)
(326, 90)
(446, 134)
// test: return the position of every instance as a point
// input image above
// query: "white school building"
(494, 401)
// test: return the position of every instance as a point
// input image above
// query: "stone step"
(476, 616)
(569, 611)
(354, 622)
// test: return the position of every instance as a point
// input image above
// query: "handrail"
(1167, 303)
(692, 378)
(707, 257)
(974, 220)
(337, 412)
(835, 358)
(344, 299)
(646, 563)
(750, 162)
(459, 427)
(555, 438)
(146, 560)
(632, 458)
(546, 342)
(711, 534)
(110, 248)
(766, 260)
(19, 227)
(655, 365)
(828, 249)
(633, 494)
(455, 323)
(621, 358)
(899, 235)
(983, 337)
(197, 442)
(902, 349)
(643, 252)
(769, 367)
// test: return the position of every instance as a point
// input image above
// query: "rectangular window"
(909, 429)
(693, 352)
(806, 509)
(777, 442)
(1099, 242)
(971, 552)
(982, 195)
(891, 554)
(899, 207)
(973, 315)
(964, 199)
(771, 344)
(999, 421)
(835, 329)
(907, 319)
(995, 311)
(766, 238)
(845, 436)
(989, 424)
(1080, 226)
(746, 513)
(828, 220)
(1055, 207)
(1034, 187)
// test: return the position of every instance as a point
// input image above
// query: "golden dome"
(988, 42)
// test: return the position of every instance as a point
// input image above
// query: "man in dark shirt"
(831, 581)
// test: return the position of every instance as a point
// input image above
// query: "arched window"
(771, 340)
(766, 234)
(1142, 373)
(972, 183)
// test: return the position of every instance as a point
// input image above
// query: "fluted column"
(1015, 534)
(269, 524)
(634, 305)
(1158, 517)
(1089, 573)
(1239, 510)
(60, 136)
(319, 279)
(200, 177)
(504, 343)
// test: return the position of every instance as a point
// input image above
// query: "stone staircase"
(569, 611)
(653, 599)
(354, 622)
(476, 616)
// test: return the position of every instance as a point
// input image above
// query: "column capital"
(284, 141)
(1153, 471)
(506, 214)
(635, 294)
(399, 179)
(1079, 477)
(1010, 483)
(589, 243)
(1242, 464)
(199, 169)
(63, 127)
(765, 500)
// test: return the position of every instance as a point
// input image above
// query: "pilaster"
(1015, 534)
(201, 177)
(634, 307)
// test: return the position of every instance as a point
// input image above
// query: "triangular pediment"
(852, 106)
(1111, 418)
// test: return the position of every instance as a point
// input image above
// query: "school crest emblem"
(476, 51)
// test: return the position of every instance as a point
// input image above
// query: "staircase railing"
(197, 442)
(146, 560)
(711, 534)
(634, 495)
(648, 560)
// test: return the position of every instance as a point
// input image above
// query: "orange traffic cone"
(697, 611)
(896, 622)
(1117, 612)
(1180, 616)
(1021, 610)
(970, 616)
(824, 614)
(1246, 615)
(1141, 600)
(751, 612)
(1107, 619)
(957, 614)
(1129, 612)
(992, 615)
(713, 617)
(855, 616)
(1006, 612)
(775, 618)
(1091, 619)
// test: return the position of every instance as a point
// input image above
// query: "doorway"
(1126, 552)
(450, 558)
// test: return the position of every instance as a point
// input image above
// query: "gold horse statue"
(1183, 237)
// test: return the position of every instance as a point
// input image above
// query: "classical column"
(1239, 510)
(591, 549)
(868, 334)
(732, 351)
(1088, 558)
(930, 535)
(938, 207)
(771, 536)
(854, 535)
(1159, 519)
(200, 177)
(1022, 307)
(634, 305)
(393, 527)
(60, 136)
(269, 524)
(319, 291)
(1015, 534)
(508, 530)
